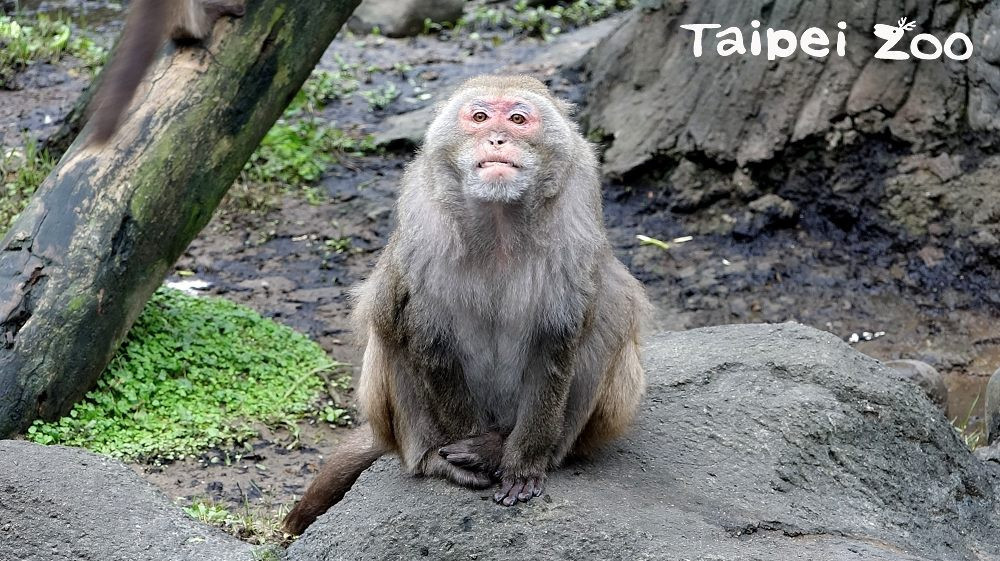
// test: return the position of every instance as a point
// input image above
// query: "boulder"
(66, 504)
(926, 377)
(755, 442)
(402, 18)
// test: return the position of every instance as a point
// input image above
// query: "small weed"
(973, 436)
(194, 373)
(322, 87)
(256, 524)
(381, 97)
(21, 172)
(539, 21)
(335, 415)
(339, 245)
(207, 512)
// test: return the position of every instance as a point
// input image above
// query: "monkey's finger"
(530, 489)
(444, 451)
(539, 486)
(511, 496)
(504, 492)
(461, 459)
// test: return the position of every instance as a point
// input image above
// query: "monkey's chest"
(497, 321)
(493, 358)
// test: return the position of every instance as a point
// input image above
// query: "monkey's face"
(497, 155)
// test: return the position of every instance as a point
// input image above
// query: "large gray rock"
(66, 504)
(402, 18)
(650, 93)
(765, 442)
(925, 376)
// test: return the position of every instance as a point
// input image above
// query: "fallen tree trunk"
(106, 226)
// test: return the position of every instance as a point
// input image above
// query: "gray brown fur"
(499, 337)
(148, 25)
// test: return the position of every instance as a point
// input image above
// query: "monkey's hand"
(480, 453)
(522, 470)
(519, 486)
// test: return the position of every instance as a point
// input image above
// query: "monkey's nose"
(497, 140)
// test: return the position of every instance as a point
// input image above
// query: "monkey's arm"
(530, 447)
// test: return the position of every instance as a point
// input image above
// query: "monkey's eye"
(517, 119)
(479, 116)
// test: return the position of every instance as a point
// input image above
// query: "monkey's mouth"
(485, 164)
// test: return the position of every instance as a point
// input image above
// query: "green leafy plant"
(21, 172)
(193, 373)
(300, 147)
(25, 41)
(257, 524)
(339, 245)
(297, 152)
(540, 21)
(207, 512)
(324, 86)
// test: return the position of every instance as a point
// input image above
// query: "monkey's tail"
(144, 33)
(342, 468)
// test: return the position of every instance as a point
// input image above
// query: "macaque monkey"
(501, 333)
(148, 25)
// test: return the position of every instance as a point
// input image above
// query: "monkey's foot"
(480, 453)
(513, 489)
(435, 465)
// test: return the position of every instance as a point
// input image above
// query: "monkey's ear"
(565, 107)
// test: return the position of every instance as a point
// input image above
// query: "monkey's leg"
(615, 405)
(607, 387)
(424, 421)
(411, 415)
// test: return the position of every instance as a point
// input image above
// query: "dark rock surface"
(767, 442)
(66, 504)
(755, 442)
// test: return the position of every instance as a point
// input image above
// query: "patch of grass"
(296, 152)
(21, 172)
(301, 146)
(256, 524)
(539, 21)
(24, 41)
(324, 86)
(207, 512)
(973, 435)
(381, 96)
(194, 373)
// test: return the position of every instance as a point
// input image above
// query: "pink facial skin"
(491, 123)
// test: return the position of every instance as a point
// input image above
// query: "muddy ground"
(277, 259)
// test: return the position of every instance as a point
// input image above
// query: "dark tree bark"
(104, 229)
